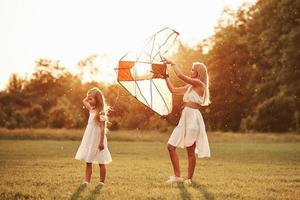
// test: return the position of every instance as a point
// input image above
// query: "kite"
(142, 73)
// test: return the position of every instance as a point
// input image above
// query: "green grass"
(240, 168)
(138, 135)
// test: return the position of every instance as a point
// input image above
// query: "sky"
(72, 30)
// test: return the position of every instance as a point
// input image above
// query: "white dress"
(191, 127)
(88, 149)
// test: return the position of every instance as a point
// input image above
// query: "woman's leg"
(192, 160)
(102, 172)
(88, 172)
(175, 160)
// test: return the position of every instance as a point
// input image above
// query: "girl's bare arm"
(102, 129)
(86, 103)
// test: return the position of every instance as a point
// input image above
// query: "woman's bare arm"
(192, 81)
(176, 90)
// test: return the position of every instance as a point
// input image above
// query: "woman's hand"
(166, 61)
(163, 76)
(101, 146)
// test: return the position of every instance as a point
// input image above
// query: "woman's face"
(92, 99)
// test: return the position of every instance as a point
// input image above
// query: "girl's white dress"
(191, 127)
(88, 149)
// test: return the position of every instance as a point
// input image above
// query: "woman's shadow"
(185, 195)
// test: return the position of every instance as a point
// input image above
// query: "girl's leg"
(102, 172)
(175, 160)
(88, 172)
(192, 160)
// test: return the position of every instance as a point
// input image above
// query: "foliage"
(252, 60)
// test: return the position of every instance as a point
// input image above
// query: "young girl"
(93, 147)
(190, 131)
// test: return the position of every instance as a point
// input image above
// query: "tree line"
(253, 63)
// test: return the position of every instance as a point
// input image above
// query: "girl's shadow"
(77, 192)
(95, 192)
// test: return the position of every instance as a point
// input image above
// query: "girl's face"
(92, 99)
(193, 73)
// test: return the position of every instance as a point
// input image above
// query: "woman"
(190, 131)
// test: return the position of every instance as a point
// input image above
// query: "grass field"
(241, 167)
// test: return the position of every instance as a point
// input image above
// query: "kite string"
(118, 93)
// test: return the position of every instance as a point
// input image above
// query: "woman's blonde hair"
(101, 106)
(202, 75)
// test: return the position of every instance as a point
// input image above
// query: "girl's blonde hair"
(202, 75)
(101, 106)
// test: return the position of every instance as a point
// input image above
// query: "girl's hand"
(86, 103)
(101, 146)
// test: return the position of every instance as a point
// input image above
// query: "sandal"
(100, 183)
(174, 179)
(85, 183)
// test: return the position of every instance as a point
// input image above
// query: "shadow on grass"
(207, 195)
(183, 192)
(95, 192)
(77, 192)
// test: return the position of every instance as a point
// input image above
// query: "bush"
(57, 118)
(157, 123)
(275, 114)
(64, 115)
(113, 125)
(247, 124)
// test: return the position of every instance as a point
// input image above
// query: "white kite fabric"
(142, 73)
